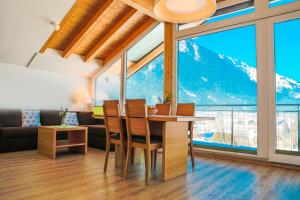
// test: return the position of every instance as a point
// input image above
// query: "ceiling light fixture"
(184, 11)
(56, 26)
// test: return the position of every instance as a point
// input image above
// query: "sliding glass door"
(217, 71)
(285, 63)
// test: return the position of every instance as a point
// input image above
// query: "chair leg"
(122, 157)
(132, 156)
(148, 160)
(192, 154)
(106, 154)
(127, 160)
(145, 156)
(152, 159)
(155, 159)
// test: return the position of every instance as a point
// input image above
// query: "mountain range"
(209, 78)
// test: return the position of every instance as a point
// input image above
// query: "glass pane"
(218, 73)
(145, 66)
(107, 85)
(287, 68)
(234, 10)
(274, 3)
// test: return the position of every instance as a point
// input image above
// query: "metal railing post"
(231, 126)
(298, 129)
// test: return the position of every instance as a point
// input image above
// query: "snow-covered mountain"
(209, 78)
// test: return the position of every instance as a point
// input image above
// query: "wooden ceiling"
(100, 29)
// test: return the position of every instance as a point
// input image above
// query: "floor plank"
(28, 175)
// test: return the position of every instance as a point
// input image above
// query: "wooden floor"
(28, 175)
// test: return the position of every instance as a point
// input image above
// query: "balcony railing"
(287, 125)
(235, 127)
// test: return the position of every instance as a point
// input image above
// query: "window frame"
(274, 154)
(261, 82)
(262, 11)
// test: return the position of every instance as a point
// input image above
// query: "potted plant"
(62, 114)
(152, 110)
(166, 99)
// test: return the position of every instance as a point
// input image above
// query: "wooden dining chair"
(138, 133)
(188, 109)
(114, 130)
(163, 109)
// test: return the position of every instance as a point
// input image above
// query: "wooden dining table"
(174, 132)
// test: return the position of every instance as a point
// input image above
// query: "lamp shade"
(184, 11)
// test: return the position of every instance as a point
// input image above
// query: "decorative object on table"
(187, 11)
(31, 118)
(62, 114)
(151, 110)
(71, 119)
(166, 99)
(98, 110)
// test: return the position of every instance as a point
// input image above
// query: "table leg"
(175, 149)
(47, 142)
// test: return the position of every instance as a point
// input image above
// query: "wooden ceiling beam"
(89, 26)
(62, 25)
(149, 23)
(144, 6)
(96, 48)
(145, 60)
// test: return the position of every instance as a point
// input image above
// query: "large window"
(145, 72)
(287, 68)
(218, 73)
(107, 85)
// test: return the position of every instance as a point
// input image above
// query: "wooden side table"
(76, 142)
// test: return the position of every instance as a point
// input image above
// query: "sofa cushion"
(50, 117)
(96, 130)
(71, 119)
(31, 118)
(11, 132)
(10, 118)
(86, 118)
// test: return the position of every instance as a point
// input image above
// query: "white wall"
(28, 88)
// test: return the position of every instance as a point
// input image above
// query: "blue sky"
(238, 43)
(287, 48)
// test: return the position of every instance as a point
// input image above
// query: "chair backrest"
(112, 117)
(163, 109)
(136, 118)
(185, 109)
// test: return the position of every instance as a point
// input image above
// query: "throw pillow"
(31, 118)
(71, 119)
